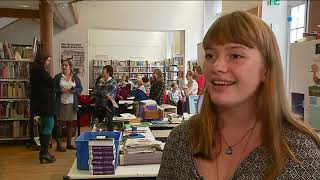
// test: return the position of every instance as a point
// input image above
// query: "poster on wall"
(314, 90)
(75, 53)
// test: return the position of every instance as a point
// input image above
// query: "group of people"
(195, 86)
(55, 100)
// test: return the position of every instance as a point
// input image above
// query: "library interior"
(107, 89)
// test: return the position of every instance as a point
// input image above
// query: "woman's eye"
(208, 56)
(236, 56)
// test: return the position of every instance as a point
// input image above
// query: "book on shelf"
(14, 129)
(14, 110)
(2, 55)
(13, 90)
(14, 70)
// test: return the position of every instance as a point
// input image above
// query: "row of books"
(121, 63)
(102, 156)
(14, 129)
(6, 50)
(14, 70)
(101, 62)
(14, 89)
(23, 52)
(175, 61)
(14, 110)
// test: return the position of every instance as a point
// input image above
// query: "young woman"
(245, 129)
(42, 102)
(192, 86)
(157, 87)
(200, 79)
(67, 87)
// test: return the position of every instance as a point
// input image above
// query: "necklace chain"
(243, 151)
(229, 149)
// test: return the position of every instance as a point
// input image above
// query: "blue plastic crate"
(83, 148)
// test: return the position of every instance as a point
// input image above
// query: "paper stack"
(102, 156)
(142, 151)
(174, 118)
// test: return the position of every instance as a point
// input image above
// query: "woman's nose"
(220, 64)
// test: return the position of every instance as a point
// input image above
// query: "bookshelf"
(97, 65)
(137, 69)
(175, 70)
(14, 96)
(133, 68)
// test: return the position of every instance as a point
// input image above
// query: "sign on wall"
(75, 53)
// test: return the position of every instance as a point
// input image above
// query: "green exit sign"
(274, 2)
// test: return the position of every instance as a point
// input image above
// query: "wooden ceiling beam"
(57, 16)
(19, 13)
(73, 11)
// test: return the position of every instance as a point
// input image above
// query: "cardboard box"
(153, 115)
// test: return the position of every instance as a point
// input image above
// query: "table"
(148, 171)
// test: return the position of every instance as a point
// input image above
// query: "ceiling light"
(24, 6)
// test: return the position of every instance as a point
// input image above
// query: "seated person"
(140, 92)
(175, 95)
(146, 84)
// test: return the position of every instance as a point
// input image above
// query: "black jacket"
(42, 100)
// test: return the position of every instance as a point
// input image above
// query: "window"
(298, 15)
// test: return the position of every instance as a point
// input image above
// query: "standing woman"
(68, 87)
(200, 79)
(157, 87)
(42, 102)
(192, 86)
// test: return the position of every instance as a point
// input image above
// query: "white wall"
(21, 32)
(123, 45)
(212, 10)
(276, 16)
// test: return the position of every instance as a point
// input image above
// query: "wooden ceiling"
(63, 11)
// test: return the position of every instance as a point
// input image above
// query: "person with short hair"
(245, 128)
(175, 95)
(103, 93)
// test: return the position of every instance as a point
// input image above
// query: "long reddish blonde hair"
(243, 28)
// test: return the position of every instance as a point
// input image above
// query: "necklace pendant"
(228, 151)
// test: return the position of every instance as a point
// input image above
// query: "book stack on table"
(102, 156)
(142, 151)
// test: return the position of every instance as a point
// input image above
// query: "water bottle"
(94, 129)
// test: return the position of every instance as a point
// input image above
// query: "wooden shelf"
(15, 99)
(120, 72)
(15, 80)
(15, 60)
(14, 119)
(14, 138)
(172, 71)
